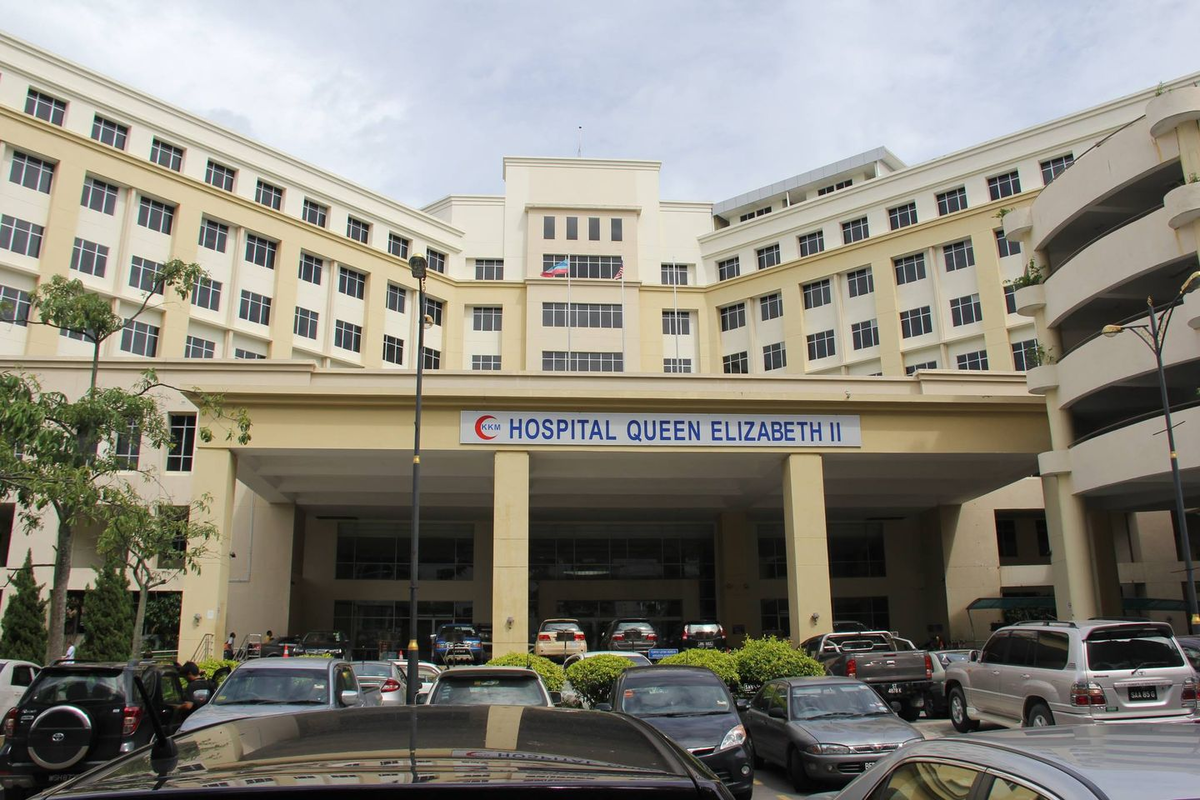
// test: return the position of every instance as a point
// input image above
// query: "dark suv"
(77, 716)
(636, 635)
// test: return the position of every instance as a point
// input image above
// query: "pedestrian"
(229, 645)
(268, 636)
(69, 658)
(198, 690)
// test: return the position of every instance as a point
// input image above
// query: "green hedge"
(211, 666)
(762, 660)
(552, 674)
(723, 664)
(592, 678)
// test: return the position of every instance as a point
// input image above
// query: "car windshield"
(457, 633)
(75, 688)
(560, 626)
(836, 700)
(373, 670)
(677, 700)
(1132, 648)
(506, 690)
(317, 637)
(274, 686)
(634, 626)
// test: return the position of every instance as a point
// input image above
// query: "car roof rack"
(1046, 623)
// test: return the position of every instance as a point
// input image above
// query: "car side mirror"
(603, 707)
(422, 698)
(349, 697)
(201, 696)
(742, 704)
(556, 698)
(974, 656)
(775, 712)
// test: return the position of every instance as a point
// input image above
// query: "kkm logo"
(487, 427)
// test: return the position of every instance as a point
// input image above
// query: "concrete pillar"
(260, 577)
(481, 583)
(205, 594)
(1104, 564)
(806, 542)
(283, 303)
(737, 572)
(55, 256)
(1070, 548)
(510, 554)
(969, 556)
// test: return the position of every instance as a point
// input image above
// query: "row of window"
(615, 228)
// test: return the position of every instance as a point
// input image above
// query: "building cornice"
(580, 163)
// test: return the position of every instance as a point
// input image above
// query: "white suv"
(1068, 673)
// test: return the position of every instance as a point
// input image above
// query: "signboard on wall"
(660, 429)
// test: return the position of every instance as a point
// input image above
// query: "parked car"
(1191, 650)
(848, 626)
(480, 751)
(334, 644)
(384, 676)
(636, 635)
(823, 730)
(1064, 673)
(889, 665)
(701, 634)
(560, 639)
(15, 678)
(1094, 762)
(284, 646)
(694, 708)
(265, 687)
(427, 671)
(570, 698)
(489, 686)
(457, 643)
(936, 703)
(74, 717)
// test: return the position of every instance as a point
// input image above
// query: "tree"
(24, 623)
(59, 452)
(107, 616)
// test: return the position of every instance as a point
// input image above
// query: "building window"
(770, 306)
(43, 106)
(1006, 538)
(870, 611)
(547, 227)
(433, 310)
(260, 251)
(89, 258)
(486, 318)
(268, 195)
(824, 190)
(489, 269)
(603, 267)
(865, 334)
(812, 243)
(677, 366)
(959, 255)
(396, 295)
(912, 369)
(1043, 537)
(909, 269)
(749, 215)
(21, 237)
(774, 357)
(305, 323)
(1004, 247)
(676, 323)
(206, 293)
(1025, 354)
(352, 282)
(183, 442)
(616, 229)
(675, 274)
(485, 363)
(902, 216)
(358, 230)
(140, 338)
(855, 230)
(736, 363)
(195, 347)
(1004, 185)
(973, 361)
(247, 355)
(821, 345)
(393, 349)
(310, 268)
(219, 175)
(1010, 299)
(146, 275)
(398, 245)
(1054, 167)
(916, 322)
(773, 617)
(314, 213)
(166, 155)
(572, 227)
(430, 358)
(965, 310)
(15, 306)
(729, 268)
(860, 282)
(437, 261)
(347, 336)
(733, 317)
(817, 294)
(768, 256)
(857, 551)
(102, 197)
(560, 361)
(593, 229)
(156, 216)
(127, 450)
(255, 308)
(113, 134)
(32, 173)
(213, 235)
(952, 200)
(582, 315)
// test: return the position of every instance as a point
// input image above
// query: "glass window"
(965, 310)
(393, 349)
(310, 268)
(916, 322)
(1131, 647)
(219, 176)
(110, 133)
(305, 323)
(398, 245)
(358, 230)
(950, 201)
(1004, 789)
(909, 269)
(736, 363)
(213, 235)
(820, 345)
(396, 295)
(594, 229)
(43, 106)
(768, 256)
(1052, 650)
(572, 227)
(102, 197)
(183, 442)
(89, 258)
(314, 213)
(729, 268)
(166, 155)
(20, 236)
(959, 255)
(733, 317)
(437, 261)
(976, 360)
(489, 269)
(1054, 167)
(865, 334)
(616, 231)
(1004, 185)
(902, 216)
(547, 227)
(812, 243)
(206, 293)
(32, 173)
(486, 318)
(260, 251)
(817, 294)
(860, 282)
(774, 357)
(1004, 247)
(927, 780)
(1022, 649)
(855, 230)
(994, 650)
(155, 215)
(352, 282)
(268, 195)
(771, 306)
(675, 274)
(15, 306)
(347, 336)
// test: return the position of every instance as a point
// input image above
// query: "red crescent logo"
(479, 427)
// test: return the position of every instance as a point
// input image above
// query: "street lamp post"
(1154, 334)
(419, 268)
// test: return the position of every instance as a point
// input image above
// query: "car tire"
(908, 712)
(958, 711)
(60, 737)
(795, 768)
(1039, 716)
(744, 795)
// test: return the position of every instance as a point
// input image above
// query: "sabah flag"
(558, 270)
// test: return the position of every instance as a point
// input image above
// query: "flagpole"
(675, 294)
(569, 316)
(622, 268)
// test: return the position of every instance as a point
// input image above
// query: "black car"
(694, 708)
(284, 646)
(701, 634)
(412, 752)
(326, 643)
(77, 716)
(637, 635)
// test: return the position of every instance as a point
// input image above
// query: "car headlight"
(827, 749)
(735, 736)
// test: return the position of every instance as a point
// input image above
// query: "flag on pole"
(558, 270)
(620, 273)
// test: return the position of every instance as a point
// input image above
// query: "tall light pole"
(1154, 334)
(419, 268)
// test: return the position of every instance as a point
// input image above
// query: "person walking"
(230, 643)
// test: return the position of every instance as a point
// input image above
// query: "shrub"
(108, 615)
(762, 660)
(723, 664)
(592, 678)
(218, 667)
(23, 629)
(551, 673)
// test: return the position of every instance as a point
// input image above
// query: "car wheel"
(795, 767)
(958, 712)
(1039, 716)
(908, 712)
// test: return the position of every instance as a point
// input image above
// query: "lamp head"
(418, 266)
(1192, 283)
(1111, 330)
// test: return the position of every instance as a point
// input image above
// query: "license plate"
(59, 777)
(1143, 692)
(894, 689)
(868, 764)
(703, 645)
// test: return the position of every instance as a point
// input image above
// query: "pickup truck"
(891, 666)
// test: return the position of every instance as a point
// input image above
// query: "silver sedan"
(385, 675)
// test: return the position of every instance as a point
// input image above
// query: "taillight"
(685, 635)
(851, 668)
(1187, 696)
(132, 717)
(653, 637)
(579, 636)
(1088, 694)
(10, 723)
(544, 637)
(618, 637)
(928, 667)
(390, 685)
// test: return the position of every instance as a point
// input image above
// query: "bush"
(762, 660)
(213, 666)
(592, 678)
(723, 664)
(23, 629)
(108, 616)
(551, 673)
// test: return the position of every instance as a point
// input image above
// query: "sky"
(420, 99)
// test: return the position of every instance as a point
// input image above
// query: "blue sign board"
(657, 653)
